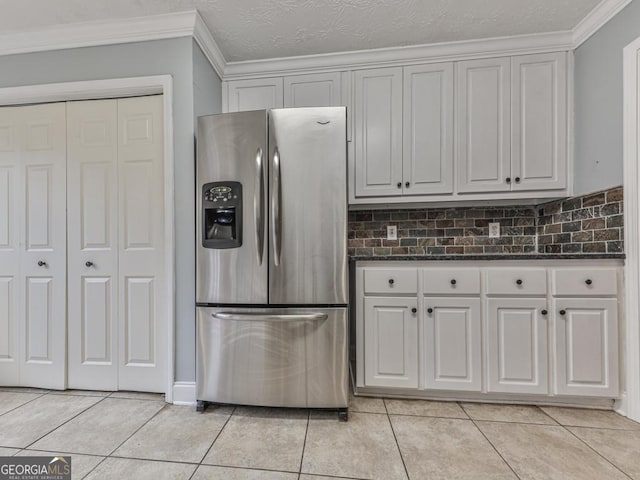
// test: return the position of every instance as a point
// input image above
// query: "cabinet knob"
(88, 264)
(453, 281)
(562, 312)
(429, 310)
(407, 184)
(399, 185)
(517, 179)
(42, 263)
(414, 310)
(543, 312)
(519, 282)
(391, 281)
(588, 281)
(508, 179)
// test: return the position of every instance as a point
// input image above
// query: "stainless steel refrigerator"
(271, 258)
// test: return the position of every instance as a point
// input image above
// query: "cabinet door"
(586, 347)
(483, 125)
(452, 343)
(517, 345)
(428, 129)
(316, 90)
(390, 342)
(378, 132)
(92, 224)
(255, 94)
(539, 121)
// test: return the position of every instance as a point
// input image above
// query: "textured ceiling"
(256, 29)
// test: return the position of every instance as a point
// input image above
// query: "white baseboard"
(184, 393)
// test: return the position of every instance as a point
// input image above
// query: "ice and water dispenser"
(222, 215)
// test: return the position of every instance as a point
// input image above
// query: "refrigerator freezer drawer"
(295, 357)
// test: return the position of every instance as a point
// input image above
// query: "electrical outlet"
(494, 230)
(392, 232)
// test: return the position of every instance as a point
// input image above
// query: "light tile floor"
(138, 436)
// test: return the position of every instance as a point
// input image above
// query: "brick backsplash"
(586, 224)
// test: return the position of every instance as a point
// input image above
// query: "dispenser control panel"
(222, 215)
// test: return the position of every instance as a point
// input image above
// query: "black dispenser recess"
(222, 215)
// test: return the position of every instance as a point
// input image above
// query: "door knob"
(453, 281)
(508, 179)
(407, 184)
(519, 282)
(89, 264)
(399, 184)
(42, 263)
(429, 310)
(588, 281)
(562, 312)
(391, 281)
(414, 310)
(517, 179)
(543, 312)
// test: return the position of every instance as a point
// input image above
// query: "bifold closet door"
(117, 323)
(33, 246)
(92, 214)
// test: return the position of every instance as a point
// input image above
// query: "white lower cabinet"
(391, 342)
(452, 344)
(517, 350)
(537, 329)
(586, 346)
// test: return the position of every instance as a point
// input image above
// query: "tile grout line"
(395, 438)
(139, 428)
(23, 404)
(495, 448)
(597, 453)
(304, 443)
(214, 441)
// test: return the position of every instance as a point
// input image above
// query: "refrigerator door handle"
(258, 205)
(276, 199)
(268, 317)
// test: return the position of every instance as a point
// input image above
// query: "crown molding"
(207, 43)
(383, 57)
(103, 32)
(596, 19)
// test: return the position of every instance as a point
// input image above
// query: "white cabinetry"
(483, 125)
(255, 94)
(378, 131)
(316, 90)
(537, 330)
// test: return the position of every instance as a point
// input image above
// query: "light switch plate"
(494, 230)
(392, 232)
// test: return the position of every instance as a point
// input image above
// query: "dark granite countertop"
(540, 256)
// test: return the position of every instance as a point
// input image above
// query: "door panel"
(44, 259)
(452, 344)
(92, 223)
(142, 342)
(255, 94)
(586, 347)
(483, 125)
(234, 147)
(517, 345)
(11, 228)
(308, 216)
(378, 132)
(390, 342)
(428, 129)
(315, 90)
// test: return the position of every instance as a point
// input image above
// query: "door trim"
(120, 88)
(630, 403)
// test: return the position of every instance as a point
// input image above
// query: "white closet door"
(141, 277)
(92, 193)
(43, 261)
(11, 191)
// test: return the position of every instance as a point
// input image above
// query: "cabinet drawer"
(391, 280)
(585, 281)
(451, 281)
(516, 281)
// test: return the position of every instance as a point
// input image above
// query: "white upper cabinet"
(260, 94)
(539, 121)
(428, 129)
(316, 90)
(483, 124)
(378, 132)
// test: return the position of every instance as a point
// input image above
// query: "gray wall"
(598, 102)
(207, 86)
(174, 57)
